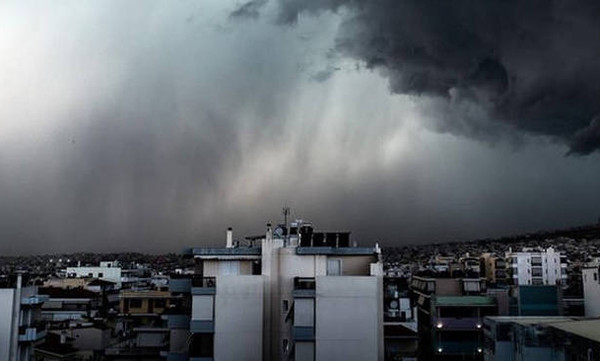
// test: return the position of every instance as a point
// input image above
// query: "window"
(595, 276)
(90, 274)
(135, 303)
(285, 305)
(334, 267)
(100, 274)
(160, 303)
(202, 345)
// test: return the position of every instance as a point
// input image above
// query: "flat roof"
(465, 301)
(589, 329)
(237, 251)
(338, 251)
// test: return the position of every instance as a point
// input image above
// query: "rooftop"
(589, 328)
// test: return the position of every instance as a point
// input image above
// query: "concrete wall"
(287, 266)
(591, 291)
(304, 312)
(238, 318)
(349, 318)
(6, 309)
(305, 351)
(356, 265)
(202, 307)
(211, 268)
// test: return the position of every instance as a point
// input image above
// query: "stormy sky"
(152, 126)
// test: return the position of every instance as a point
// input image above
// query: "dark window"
(285, 305)
(160, 303)
(201, 345)
(135, 303)
(100, 275)
(595, 277)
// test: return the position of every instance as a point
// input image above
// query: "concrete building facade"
(537, 267)
(591, 290)
(299, 295)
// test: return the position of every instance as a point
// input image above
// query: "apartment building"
(537, 267)
(291, 293)
(541, 338)
(450, 317)
(591, 289)
(21, 327)
(493, 268)
(399, 320)
(107, 271)
(141, 329)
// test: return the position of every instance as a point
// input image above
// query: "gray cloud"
(157, 132)
(532, 65)
(248, 10)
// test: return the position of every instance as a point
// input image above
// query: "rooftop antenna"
(286, 213)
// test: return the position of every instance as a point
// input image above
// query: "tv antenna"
(286, 213)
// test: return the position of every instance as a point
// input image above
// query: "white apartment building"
(537, 267)
(20, 325)
(108, 271)
(301, 295)
(591, 290)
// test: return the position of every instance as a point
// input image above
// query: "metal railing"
(304, 283)
(204, 282)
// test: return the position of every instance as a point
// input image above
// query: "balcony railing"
(204, 285)
(304, 287)
(32, 332)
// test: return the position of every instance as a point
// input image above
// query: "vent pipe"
(229, 238)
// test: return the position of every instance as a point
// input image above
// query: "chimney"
(229, 238)
(269, 235)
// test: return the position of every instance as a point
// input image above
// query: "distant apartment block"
(290, 294)
(591, 290)
(493, 268)
(107, 271)
(537, 267)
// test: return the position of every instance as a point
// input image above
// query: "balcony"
(34, 300)
(180, 284)
(204, 285)
(302, 333)
(304, 287)
(202, 326)
(466, 347)
(33, 332)
(177, 321)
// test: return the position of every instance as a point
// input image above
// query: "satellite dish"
(394, 304)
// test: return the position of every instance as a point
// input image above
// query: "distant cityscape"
(296, 293)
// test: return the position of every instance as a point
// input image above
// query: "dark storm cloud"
(176, 121)
(534, 65)
(248, 10)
